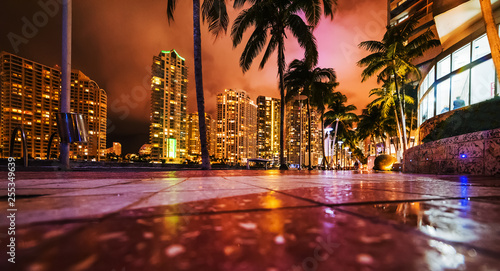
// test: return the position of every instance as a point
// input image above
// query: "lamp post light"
(350, 159)
(337, 161)
(345, 157)
(328, 149)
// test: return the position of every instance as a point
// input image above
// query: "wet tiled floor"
(253, 220)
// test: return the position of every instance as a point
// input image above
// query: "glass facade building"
(462, 77)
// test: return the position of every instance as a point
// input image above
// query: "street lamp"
(336, 154)
(350, 159)
(329, 149)
(345, 156)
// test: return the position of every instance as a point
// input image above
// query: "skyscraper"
(194, 147)
(268, 128)
(30, 94)
(295, 118)
(236, 126)
(168, 130)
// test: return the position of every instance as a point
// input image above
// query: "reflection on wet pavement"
(256, 220)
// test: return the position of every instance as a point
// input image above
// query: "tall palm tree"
(391, 58)
(272, 18)
(302, 79)
(387, 100)
(492, 33)
(215, 13)
(341, 114)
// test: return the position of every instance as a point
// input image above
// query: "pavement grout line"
(82, 227)
(403, 227)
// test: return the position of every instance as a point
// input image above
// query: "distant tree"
(315, 83)
(273, 18)
(391, 59)
(342, 115)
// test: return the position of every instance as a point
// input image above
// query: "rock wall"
(475, 153)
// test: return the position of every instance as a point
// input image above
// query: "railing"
(23, 141)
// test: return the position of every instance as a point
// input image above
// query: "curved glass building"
(461, 76)
(460, 72)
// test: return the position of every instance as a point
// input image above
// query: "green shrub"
(478, 117)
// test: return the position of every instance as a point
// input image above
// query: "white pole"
(66, 74)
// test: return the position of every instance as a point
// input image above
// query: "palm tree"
(391, 58)
(492, 33)
(273, 18)
(215, 13)
(387, 101)
(370, 124)
(341, 114)
(302, 79)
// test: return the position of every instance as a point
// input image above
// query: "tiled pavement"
(252, 220)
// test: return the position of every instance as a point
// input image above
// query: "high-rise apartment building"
(168, 130)
(194, 147)
(30, 94)
(236, 126)
(296, 116)
(115, 149)
(268, 128)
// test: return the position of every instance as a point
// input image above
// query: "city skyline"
(116, 52)
(30, 98)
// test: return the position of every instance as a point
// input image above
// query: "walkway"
(252, 220)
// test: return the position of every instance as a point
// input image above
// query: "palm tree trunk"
(335, 136)
(403, 122)
(198, 75)
(326, 164)
(309, 136)
(281, 71)
(492, 33)
(398, 132)
(411, 125)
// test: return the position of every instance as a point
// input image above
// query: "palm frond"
(303, 33)
(253, 47)
(271, 47)
(170, 9)
(244, 20)
(215, 13)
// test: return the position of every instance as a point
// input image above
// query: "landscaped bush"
(478, 117)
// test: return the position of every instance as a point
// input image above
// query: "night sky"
(114, 42)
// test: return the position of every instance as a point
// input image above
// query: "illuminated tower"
(268, 128)
(193, 143)
(293, 117)
(168, 130)
(30, 94)
(236, 126)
